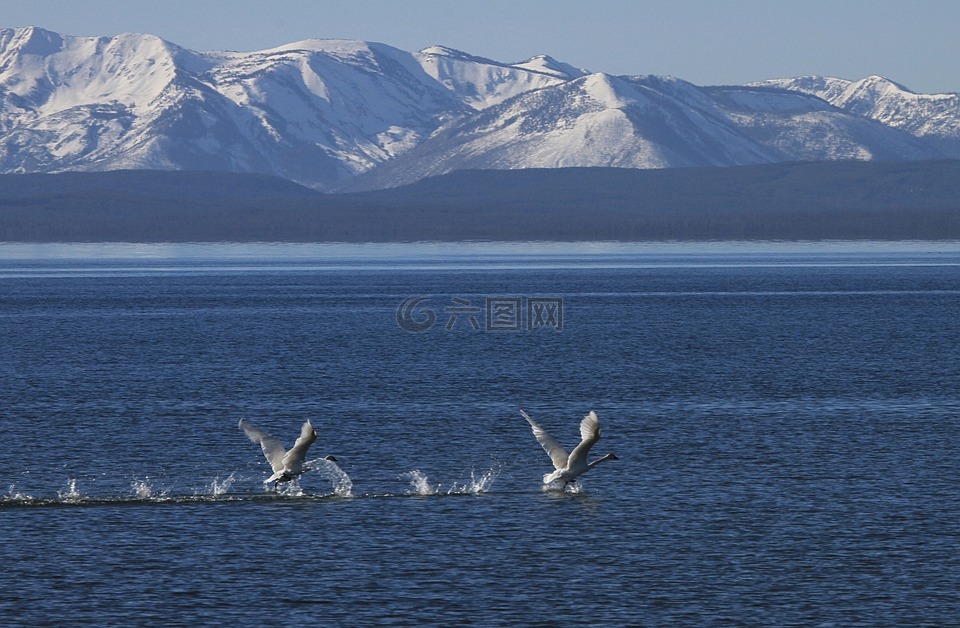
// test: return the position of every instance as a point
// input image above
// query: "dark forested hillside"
(832, 200)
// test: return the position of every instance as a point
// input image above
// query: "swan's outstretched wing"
(298, 452)
(590, 427)
(554, 449)
(589, 434)
(271, 447)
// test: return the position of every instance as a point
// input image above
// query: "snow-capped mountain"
(334, 114)
(317, 112)
(933, 117)
(648, 122)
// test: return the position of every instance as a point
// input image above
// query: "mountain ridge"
(339, 115)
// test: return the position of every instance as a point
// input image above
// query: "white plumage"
(286, 465)
(569, 466)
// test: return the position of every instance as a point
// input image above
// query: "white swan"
(286, 465)
(572, 465)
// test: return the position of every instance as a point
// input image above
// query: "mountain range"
(337, 115)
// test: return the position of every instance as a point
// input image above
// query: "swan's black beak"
(331, 459)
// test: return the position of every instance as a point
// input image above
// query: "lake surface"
(785, 417)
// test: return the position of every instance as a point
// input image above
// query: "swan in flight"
(572, 465)
(286, 465)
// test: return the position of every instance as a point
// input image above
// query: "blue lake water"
(785, 417)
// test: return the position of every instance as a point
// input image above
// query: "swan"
(570, 466)
(286, 465)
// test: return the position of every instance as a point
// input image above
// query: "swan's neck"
(599, 460)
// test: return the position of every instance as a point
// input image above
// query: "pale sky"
(707, 42)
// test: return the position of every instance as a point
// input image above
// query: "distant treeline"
(797, 201)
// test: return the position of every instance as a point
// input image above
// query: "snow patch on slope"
(480, 83)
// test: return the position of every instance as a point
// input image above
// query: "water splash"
(142, 488)
(476, 485)
(290, 489)
(218, 488)
(71, 494)
(419, 483)
(559, 487)
(341, 482)
(14, 495)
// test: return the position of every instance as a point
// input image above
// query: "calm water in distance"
(786, 418)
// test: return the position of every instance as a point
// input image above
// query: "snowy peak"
(453, 53)
(28, 41)
(546, 64)
(878, 84)
(865, 94)
(343, 48)
(363, 55)
(480, 83)
(839, 91)
(932, 117)
(51, 73)
(356, 103)
(828, 88)
(608, 91)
